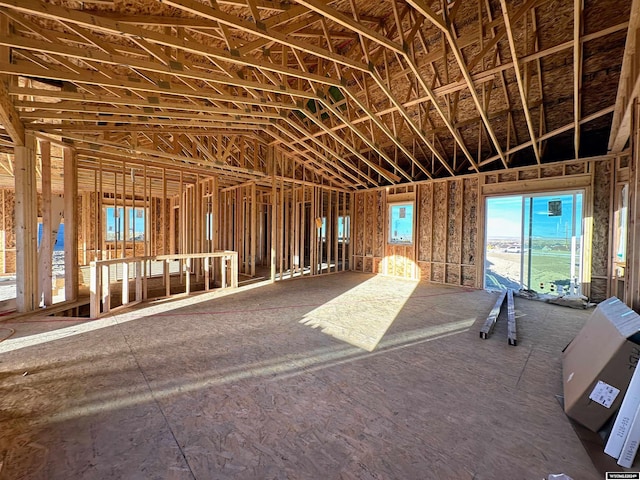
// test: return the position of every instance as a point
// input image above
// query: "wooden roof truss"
(361, 94)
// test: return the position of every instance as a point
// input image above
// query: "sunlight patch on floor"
(362, 315)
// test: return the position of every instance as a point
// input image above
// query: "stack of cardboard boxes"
(598, 367)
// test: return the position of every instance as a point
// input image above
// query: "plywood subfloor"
(344, 376)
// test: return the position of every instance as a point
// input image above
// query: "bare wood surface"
(286, 379)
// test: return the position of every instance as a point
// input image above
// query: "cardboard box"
(598, 364)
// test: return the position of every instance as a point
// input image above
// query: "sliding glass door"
(534, 242)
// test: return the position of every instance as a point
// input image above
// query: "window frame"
(390, 236)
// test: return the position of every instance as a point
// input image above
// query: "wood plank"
(254, 229)
(9, 117)
(519, 79)
(26, 227)
(45, 252)
(628, 86)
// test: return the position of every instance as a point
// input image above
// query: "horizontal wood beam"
(9, 117)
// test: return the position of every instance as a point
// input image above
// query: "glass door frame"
(550, 193)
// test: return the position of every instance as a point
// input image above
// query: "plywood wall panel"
(438, 253)
(93, 222)
(470, 221)
(9, 218)
(551, 171)
(454, 221)
(598, 290)
(437, 272)
(452, 274)
(507, 176)
(359, 225)
(576, 168)
(368, 265)
(369, 233)
(424, 269)
(528, 174)
(377, 265)
(409, 255)
(9, 234)
(358, 264)
(380, 224)
(469, 276)
(601, 201)
(424, 221)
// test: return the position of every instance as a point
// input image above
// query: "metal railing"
(104, 274)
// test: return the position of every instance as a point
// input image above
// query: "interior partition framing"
(290, 224)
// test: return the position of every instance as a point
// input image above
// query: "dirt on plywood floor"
(346, 376)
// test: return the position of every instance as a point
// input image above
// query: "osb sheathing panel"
(358, 247)
(439, 221)
(437, 272)
(446, 233)
(377, 265)
(600, 244)
(10, 261)
(8, 216)
(598, 290)
(159, 229)
(425, 222)
(425, 270)
(368, 265)
(470, 222)
(378, 245)
(507, 176)
(469, 276)
(358, 263)
(454, 222)
(8, 222)
(80, 206)
(400, 261)
(452, 274)
(527, 174)
(369, 224)
(94, 219)
(369, 231)
(575, 168)
(92, 222)
(551, 171)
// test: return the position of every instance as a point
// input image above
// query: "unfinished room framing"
(155, 153)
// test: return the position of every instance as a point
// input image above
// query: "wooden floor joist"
(489, 323)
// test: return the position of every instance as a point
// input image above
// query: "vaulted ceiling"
(360, 93)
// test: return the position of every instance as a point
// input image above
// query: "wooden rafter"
(422, 7)
(521, 89)
(421, 90)
(629, 86)
(577, 71)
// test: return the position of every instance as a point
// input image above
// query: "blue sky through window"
(504, 219)
(115, 223)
